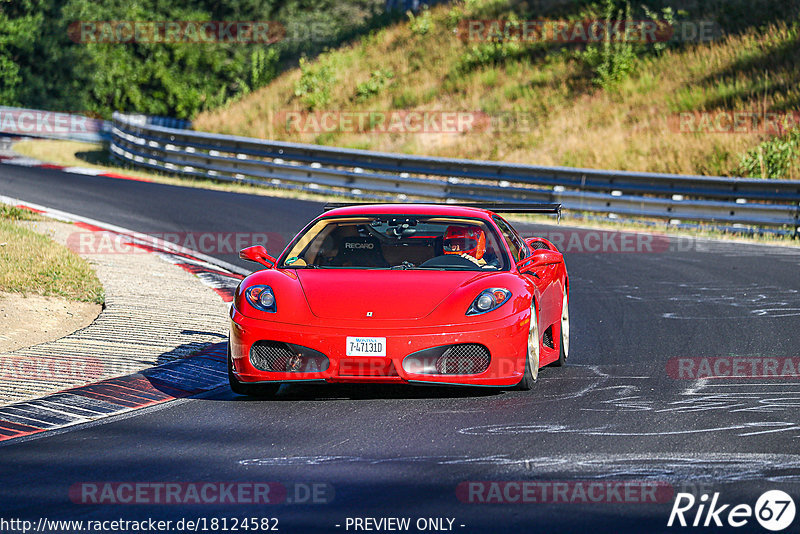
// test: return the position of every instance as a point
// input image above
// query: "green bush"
(489, 54)
(420, 24)
(406, 99)
(774, 158)
(613, 60)
(314, 86)
(374, 85)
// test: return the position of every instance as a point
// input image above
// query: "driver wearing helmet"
(469, 242)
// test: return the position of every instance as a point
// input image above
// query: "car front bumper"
(506, 339)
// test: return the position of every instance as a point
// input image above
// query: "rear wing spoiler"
(498, 207)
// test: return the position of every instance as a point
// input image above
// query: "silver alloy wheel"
(565, 324)
(533, 345)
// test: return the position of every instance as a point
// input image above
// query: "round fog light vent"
(275, 356)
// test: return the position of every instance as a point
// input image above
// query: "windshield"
(398, 242)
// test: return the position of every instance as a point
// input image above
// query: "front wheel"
(532, 359)
(251, 390)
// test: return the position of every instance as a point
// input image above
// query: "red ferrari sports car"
(402, 293)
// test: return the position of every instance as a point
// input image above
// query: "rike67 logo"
(774, 510)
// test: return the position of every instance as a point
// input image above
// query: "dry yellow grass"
(33, 263)
(575, 123)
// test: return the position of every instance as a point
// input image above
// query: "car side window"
(519, 250)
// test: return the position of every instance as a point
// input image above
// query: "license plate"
(366, 346)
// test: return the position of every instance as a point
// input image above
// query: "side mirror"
(540, 258)
(258, 254)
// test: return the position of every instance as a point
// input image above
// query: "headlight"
(261, 298)
(488, 300)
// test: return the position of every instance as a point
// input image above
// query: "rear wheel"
(532, 359)
(251, 390)
(564, 344)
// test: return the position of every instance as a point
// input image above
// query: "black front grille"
(270, 355)
(465, 359)
(275, 356)
(461, 359)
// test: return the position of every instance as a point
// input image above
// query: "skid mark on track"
(751, 408)
(743, 429)
(738, 397)
(701, 467)
(733, 301)
(748, 300)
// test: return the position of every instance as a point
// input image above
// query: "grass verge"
(33, 263)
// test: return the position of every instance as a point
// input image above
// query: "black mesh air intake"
(539, 244)
(280, 357)
(461, 359)
(466, 359)
(547, 338)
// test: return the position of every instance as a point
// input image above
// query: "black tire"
(562, 358)
(563, 344)
(251, 390)
(532, 360)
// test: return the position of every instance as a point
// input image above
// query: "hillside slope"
(551, 104)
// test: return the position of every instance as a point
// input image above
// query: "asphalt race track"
(619, 414)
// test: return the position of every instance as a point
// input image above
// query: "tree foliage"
(42, 67)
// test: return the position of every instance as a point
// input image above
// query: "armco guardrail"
(385, 176)
(154, 120)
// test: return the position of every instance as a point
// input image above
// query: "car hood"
(387, 294)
